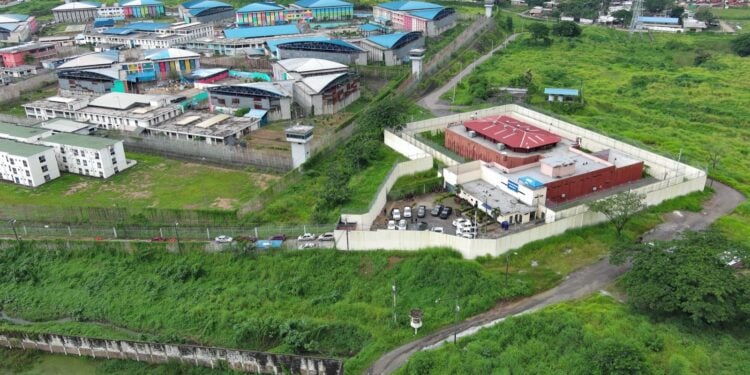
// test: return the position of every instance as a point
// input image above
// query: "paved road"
(577, 285)
(432, 100)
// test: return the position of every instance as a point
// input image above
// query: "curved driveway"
(576, 285)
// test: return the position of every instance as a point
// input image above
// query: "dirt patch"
(137, 195)
(77, 187)
(392, 261)
(224, 203)
(262, 179)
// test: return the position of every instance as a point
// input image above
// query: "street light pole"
(393, 290)
(456, 309)
(507, 264)
(15, 233)
(177, 235)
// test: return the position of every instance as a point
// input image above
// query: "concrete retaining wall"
(239, 360)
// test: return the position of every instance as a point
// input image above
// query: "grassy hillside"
(594, 336)
(650, 93)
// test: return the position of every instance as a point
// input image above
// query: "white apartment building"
(27, 164)
(87, 155)
(25, 134)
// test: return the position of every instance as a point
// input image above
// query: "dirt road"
(577, 285)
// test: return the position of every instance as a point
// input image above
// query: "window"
(46, 177)
(78, 161)
(25, 164)
(42, 159)
(87, 172)
(62, 149)
(101, 174)
(222, 101)
(75, 152)
(97, 156)
(12, 162)
(235, 100)
(99, 165)
(65, 160)
(28, 174)
(114, 161)
(44, 168)
(85, 163)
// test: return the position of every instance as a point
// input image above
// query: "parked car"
(460, 222)
(223, 239)
(422, 225)
(436, 210)
(326, 237)
(407, 212)
(278, 237)
(437, 229)
(446, 212)
(396, 214)
(158, 239)
(391, 224)
(468, 235)
(307, 237)
(402, 224)
(308, 245)
(421, 212)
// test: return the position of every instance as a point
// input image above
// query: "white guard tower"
(416, 319)
(299, 136)
(488, 4)
(416, 55)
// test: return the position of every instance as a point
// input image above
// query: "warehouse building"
(149, 35)
(392, 49)
(430, 19)
(325, 10)
(76, 12)
(16, 28)
(269, 13)
(273, 97)
(205, 11)
(305, 67)
(261, 14)
(143, 9)
(211, 128)
(326, 94)
(333, 50)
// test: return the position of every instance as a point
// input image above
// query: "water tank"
(472, 134)
(500, 146)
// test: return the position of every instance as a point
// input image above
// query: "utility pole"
(15, 233)
(393, 291)
(507, 264)
(177, 235)
(456, 309)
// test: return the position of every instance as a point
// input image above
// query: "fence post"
(256, 232)
(25, 233)
(208, 234)
(161, 234)
(114, 230)
(70, 233)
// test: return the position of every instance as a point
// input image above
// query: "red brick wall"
(475, 151)
(577, 186)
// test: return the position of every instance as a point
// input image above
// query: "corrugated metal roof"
(511, 132)
(12, 18)
(387, 40)
(256, 113)
(147, 26)
(78, 140)
(273, 44)
(259, 7)
(9, 26)
(92, 59)
(319, 83)
(662, 20)
(260, 31)
(204, 73)
(78, 5)
(21, 149)
(118, 31)
(323, 4)
(121, 100)
(409, 5)
(558, 91)
(428, 14)
(370, 27)
(307, 65)
(19, 131)
(168, 53)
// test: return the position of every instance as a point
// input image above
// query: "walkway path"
(577, 285)
(432, 101)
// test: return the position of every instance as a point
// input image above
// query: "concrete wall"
(342, 58)
(239, 360)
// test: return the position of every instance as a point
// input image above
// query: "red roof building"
(516, 135)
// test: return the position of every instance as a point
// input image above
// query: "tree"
(28, 59)
(387, 113)
(539, 31)
(241, 112)
(623, 16)
(704, 14)
(701, 57)
(677, 12)
(509, 24)
(690, 277)
(619, 208)
(741, 45)
(568, 29)
(611, 356)
(657, 6)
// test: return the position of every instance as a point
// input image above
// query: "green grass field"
(14, 108)
(734, 16)
(584, 337)
(155, 182)
(649, 93)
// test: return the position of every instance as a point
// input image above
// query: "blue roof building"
(392, 49)
(261, 14)
(326, 10)
(660, 20)
(205, 11)
(409, 5)
(260, 32)
(560, 95)
(104, 22)
(431, 19)
(320, 48)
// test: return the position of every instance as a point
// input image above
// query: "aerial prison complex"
(530, 172)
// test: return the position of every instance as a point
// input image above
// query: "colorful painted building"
(143, 9)
(162, 64)
(261, 14)
(430, 19)
(325, 10)
(17, 55)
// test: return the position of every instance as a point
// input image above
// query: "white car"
(308, 245)
(437, 229)
(468, 235)
(460, 221)
(407, 212)
(326, 237)
(223, 239)
(396, 214)
(402, 224)
(391, 224)
(307, 237)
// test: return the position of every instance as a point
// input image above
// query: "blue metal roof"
(662, 20)
(530, 182)
(557, 91)
(387, 40)
(147, 26)
(16, 17)
(260, 7)
(323, 4)
(429, 14)
(104, 22)
(205, 73)
(260, 31)
(118, 31)
(409, 5)
(205, 4)
(273, 44)
(256, 113)
(370, 27)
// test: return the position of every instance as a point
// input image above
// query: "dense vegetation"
(322, 302)
(650, 93)
(594, 336)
